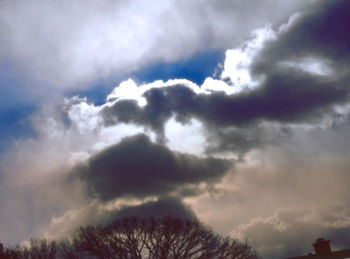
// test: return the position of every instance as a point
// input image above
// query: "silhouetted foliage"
(39, 249)
(8, 253)
(68, 250)
(134, 238)
(158, 238)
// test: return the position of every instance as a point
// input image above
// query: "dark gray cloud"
(319, 32)
(161, 105)
(291, 96)
(243, 139)
(284, 97)
(137, 167)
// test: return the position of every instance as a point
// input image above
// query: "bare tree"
(68, 250)
(158, 238)
(37, 249)
(134, 238)
(8, 253)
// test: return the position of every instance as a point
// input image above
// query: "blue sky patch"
(15, 124)
(15, 109)
(196, 68)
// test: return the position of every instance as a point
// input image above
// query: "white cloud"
(238, 61)
(69, 44)
(214, 85)
(85, 116)
(179, 140)
(129, 90)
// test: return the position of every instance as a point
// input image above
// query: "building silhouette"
(323, 250)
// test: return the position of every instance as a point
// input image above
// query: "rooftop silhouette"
(323, 250)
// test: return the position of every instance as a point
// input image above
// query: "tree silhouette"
(68, 250)
(134, 238)
(39, 249)
(8, 253)
(158, 238)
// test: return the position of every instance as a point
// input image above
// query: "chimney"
(322, 246)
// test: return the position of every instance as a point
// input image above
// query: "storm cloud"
(137, 167)
(285, 97)
(319, 33)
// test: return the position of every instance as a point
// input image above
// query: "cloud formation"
(137, 167)
(285, 195)
(285, 97)
(68, 45)
(292, 231)
(278, 107)
(318, 34)
(97, 213)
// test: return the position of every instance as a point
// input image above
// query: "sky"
(235, 112)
